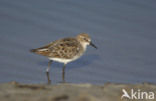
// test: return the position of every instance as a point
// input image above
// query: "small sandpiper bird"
(64, 51)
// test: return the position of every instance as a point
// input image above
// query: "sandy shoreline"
(70, 92)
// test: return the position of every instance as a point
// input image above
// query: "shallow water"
(123, 30)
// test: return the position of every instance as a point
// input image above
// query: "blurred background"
(123, 30)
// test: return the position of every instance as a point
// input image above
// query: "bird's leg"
(47, 71)
(63, 73)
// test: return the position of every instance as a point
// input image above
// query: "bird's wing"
(64, 48)
(43, 50)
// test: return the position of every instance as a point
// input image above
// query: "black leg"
(63, 73)
(47, 71)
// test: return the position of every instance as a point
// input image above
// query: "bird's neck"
(84, 45)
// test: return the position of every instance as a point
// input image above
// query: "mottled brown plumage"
(64, 50)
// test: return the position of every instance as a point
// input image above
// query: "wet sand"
(14, 91)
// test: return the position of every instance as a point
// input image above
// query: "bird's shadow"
(81, 62)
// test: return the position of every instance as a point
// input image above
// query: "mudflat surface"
(14, 91)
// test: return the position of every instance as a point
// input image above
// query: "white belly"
(65, 61)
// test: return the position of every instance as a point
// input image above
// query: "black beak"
(93, 45)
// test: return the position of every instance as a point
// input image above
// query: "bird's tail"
(33, 50)
(44, 52)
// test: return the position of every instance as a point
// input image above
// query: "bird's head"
(85, 39)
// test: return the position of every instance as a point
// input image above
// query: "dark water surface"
(123, 30)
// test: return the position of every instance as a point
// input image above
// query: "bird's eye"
(85, 39)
